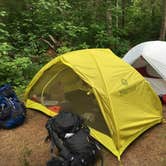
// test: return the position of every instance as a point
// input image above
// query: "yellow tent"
(116, 101)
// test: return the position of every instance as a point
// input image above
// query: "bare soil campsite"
(25, 146)
(104, 60)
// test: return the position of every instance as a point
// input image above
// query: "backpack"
(12, 111)
(65, 122)
(69, 134)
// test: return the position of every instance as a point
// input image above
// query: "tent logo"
(128, 90)
(124, 81)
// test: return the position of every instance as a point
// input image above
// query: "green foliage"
(29, 28)
(12, 70)
(63, 50)
(143, 20)
(5, 46)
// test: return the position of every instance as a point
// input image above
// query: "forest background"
(32, 32)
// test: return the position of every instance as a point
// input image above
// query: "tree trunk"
(96, 4)
(152, 12)
(123, 13)
(163, 24)
(109, 17)
(117, 17)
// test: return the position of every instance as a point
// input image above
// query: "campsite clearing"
(25, 146)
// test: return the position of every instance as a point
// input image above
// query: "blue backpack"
(12, 110)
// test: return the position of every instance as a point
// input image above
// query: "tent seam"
(116, 127)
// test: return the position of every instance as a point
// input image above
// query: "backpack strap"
(5, 108)
(57, 142)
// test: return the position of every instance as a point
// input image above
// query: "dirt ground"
(25, 146)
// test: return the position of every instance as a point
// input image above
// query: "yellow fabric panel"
(106, 141)
(132, 136)
(95, 69)
(37, 106)
(110, 76)
(138, 110)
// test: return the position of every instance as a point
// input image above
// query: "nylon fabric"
(127, 103)
(151, 56)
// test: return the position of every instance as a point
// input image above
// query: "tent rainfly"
(98, 83)
(150, 60)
